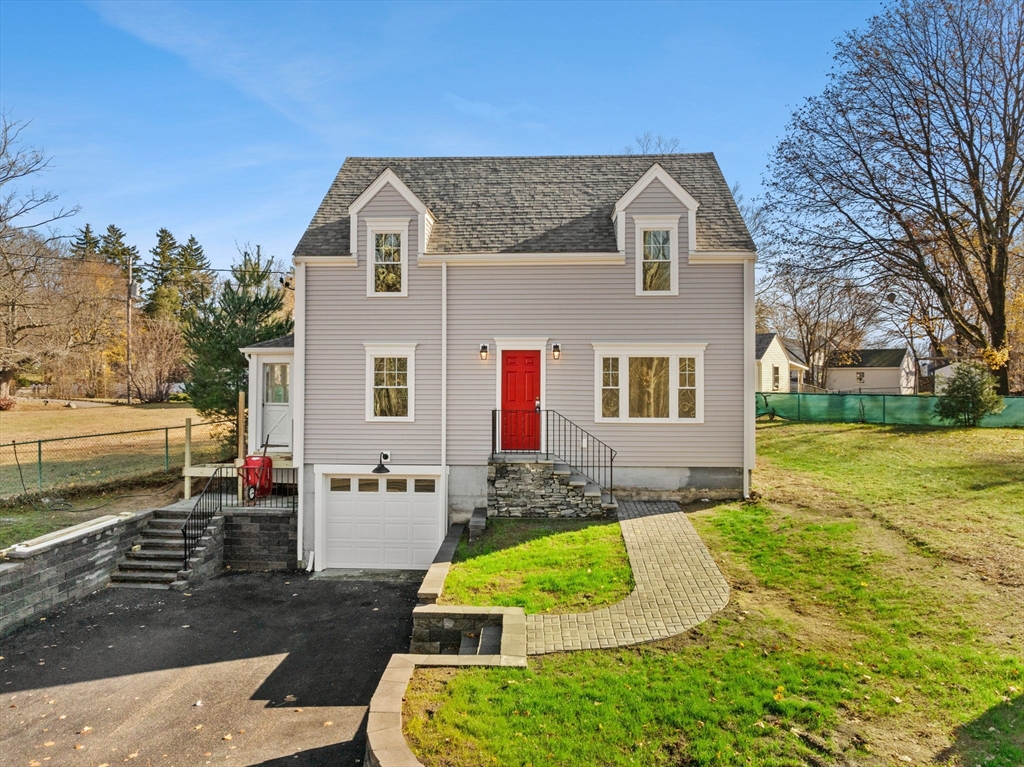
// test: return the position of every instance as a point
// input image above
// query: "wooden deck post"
(188, 458)
(241, 437)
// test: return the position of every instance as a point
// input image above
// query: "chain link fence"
(71, 464)
(907, 409)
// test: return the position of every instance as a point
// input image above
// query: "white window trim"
(376, 226)
(406, 350)
(624, 352)
(643, 224)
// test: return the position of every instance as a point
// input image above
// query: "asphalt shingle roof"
(284, 342)
(873, 358)
(527, 204)
(764, 340)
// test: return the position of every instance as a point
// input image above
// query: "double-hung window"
(387, 249)
(390, 382)
(650, 382)
(657, 255)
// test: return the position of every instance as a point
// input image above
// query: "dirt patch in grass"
(541, 565)
(26, 521)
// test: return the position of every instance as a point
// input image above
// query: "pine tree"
(86, 244)
(195, 284)
(163, 268)
(247, 311)
(114, 250)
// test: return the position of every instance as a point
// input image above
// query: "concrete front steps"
(157, 558)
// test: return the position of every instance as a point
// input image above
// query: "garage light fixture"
(381, 468)
(484, 351)
(556, 351)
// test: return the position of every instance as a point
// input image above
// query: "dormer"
(657, 250)
(424, 218)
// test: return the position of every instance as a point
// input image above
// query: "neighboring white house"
(440, 302)
(777, 367)
(874, 371)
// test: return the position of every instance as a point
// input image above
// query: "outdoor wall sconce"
(556, 351)
(484, 351)
(381, 468)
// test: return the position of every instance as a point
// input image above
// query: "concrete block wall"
(260, 539)
(207, 557)
(64, 566)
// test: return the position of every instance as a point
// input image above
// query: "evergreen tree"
(196, 280)
(969, 395)
(246, 311)
(163, 267)
(86, 244)
(164, 303)
(114, 250)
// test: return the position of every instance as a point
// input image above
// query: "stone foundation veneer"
(260, 539)
(530, 487)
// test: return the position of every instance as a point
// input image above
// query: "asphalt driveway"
(247, 669)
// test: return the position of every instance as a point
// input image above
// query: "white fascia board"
(722, 256)
(325, 260)
(385, 178)
(662, 175)
(645, 349)
(522, 259)
(268, 351)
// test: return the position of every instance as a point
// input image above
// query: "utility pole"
(131, 296)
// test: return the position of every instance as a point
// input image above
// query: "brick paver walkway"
(678, 585)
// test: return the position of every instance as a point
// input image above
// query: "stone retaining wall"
(534, 489)
(260, 539)
(40, 575)
(207, 557)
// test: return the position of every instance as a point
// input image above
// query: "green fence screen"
(873, 408)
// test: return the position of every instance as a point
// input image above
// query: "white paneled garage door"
(382, 522)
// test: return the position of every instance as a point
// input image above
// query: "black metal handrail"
(209, 502)
(551, 434)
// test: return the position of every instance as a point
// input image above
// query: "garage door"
(382, 522)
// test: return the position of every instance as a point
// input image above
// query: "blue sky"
(229, 120)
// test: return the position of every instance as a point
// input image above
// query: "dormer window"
(387, 257)
(657, 255)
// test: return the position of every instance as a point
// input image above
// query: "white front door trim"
(522, 344)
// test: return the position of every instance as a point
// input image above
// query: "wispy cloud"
(513, 115)
(301, 85)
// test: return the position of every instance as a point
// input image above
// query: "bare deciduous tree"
(647, 143)
(909, 166)
(827, 316)
(158, 359)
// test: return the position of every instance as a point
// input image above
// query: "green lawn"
(541, 565)
(875, 618)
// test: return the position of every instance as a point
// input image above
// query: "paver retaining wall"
(39, 575)
(260, 539)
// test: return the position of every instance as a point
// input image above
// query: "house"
(521, 333)
(779, 368)
(874, 371)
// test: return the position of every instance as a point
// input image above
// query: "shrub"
(179, 396)
(7, 403)
(969, 395)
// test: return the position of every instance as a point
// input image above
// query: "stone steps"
(486, 641)
(158, 556)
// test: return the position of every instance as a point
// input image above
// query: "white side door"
(276, 427)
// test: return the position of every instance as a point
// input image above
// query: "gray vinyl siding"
(579, 306)
(340, 318)
(572, 305)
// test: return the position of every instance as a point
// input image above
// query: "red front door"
(520, 400)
